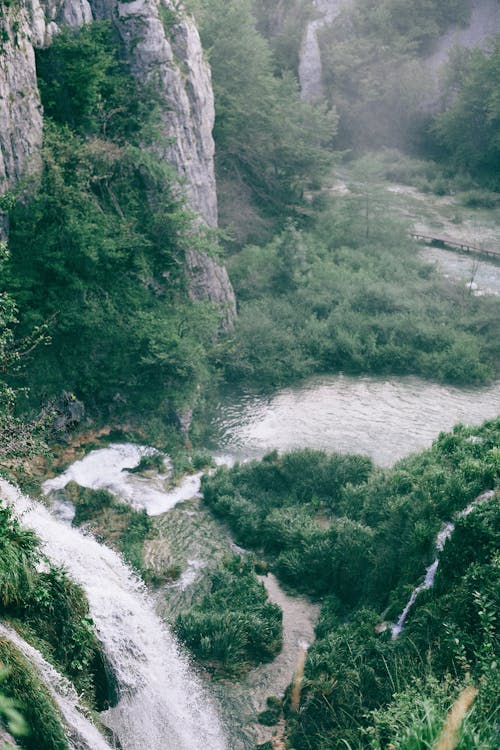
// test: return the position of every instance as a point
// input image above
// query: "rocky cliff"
(162, 44)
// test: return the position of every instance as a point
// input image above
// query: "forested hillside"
(124, 197)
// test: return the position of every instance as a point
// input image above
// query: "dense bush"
(49, 608)
(45, 730)
(270, 145)
(374, 74)
(351, 294)
(235, 625)
(366, 546)
(279, 506)
(468, 129)
(98, 240)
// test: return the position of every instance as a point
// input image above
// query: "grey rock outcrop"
(209, 281)
(163, 46)
(20, 108)
(310, 65)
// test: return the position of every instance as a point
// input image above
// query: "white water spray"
(310, 66)
(106, 469)
(81, 733)
(162, 705)
(430, 575)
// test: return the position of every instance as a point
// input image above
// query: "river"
(384, 418)
(162, 703)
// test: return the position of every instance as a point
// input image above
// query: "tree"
(265, 135)
(468, 130)
(18, 437)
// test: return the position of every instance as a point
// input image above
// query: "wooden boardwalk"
(443, 240)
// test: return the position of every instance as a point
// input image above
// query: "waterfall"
(161, 702)
(81, 733)
(430, 574)
(310, 67)
(106, 469)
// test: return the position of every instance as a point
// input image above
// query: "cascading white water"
(81, 733)
(162, 705)
(430, 575)
(310, 66)
(106, 469)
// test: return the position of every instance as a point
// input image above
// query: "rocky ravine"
(172, 53)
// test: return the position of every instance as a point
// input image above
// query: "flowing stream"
(310, 67)
(430, 574)
(106, 469)
(162, 705)
(81, 733)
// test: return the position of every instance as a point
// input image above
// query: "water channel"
(384, 418)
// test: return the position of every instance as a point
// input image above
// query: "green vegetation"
(373, 70)
(361, 539)
(270, 145)
(19, 438)
(51, 612)
(23, 686)
(283, 24)
(467, 131)
(112, 521)
(98, 241)
(350, 294)
(234, 626)
(278, 506)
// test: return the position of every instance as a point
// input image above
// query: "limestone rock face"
(163, 46)
(209, 281)
(20, 108)
(24, 25)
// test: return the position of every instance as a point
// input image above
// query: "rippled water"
(385, 419)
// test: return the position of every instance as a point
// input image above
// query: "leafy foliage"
(350, 295)
(18, 437)
(235, 625)
(266, 137)
(373, 71)
(362, 540)
(98, 241)
(23, 686)
(50, 609)
(468, 130)
(277, 506)
(86, 85)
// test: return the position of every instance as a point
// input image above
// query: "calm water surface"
(385, 419)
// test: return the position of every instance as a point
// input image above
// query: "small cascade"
(310, 66)
(81, 733)
(430, 574)
(161, 702)
(106, 469)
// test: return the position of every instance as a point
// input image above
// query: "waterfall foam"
(81, 733)
(106, 468)
(430, 574)
(162, 705)
(310, 66)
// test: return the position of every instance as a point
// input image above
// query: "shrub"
(234, 626)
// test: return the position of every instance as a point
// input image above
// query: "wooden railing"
(443, 240)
